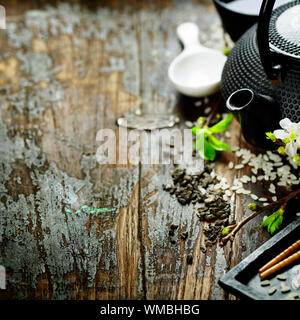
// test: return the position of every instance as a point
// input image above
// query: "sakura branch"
(232, 230)
(288, 139)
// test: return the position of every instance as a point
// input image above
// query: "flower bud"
(252, 206)
(286, 140)
(281, 150)
(271, 136)
(225, 231)
(297, 159)
(226, 51)
(201, 121)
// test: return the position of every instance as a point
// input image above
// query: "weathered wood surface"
(65, 73)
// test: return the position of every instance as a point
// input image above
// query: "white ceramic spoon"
(197, 71)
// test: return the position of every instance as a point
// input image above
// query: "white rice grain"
(253, 196)
(263, 199)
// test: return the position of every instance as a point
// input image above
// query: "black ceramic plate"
(243, 280)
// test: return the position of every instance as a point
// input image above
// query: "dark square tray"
(243, 280)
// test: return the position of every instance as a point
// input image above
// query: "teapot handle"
(265, 13)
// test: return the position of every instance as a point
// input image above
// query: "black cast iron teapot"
(261, 78)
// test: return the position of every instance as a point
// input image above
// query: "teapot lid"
(284, 32)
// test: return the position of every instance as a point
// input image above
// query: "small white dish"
(197, 70)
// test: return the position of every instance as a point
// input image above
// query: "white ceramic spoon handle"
(188, 33)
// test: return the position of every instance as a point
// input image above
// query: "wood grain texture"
(68, 70)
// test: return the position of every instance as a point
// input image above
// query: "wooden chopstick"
(292, 248)
(280, 265)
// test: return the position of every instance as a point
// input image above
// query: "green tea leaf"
(205, 150)
(199, 143)
(221, 125)
(217, 144)
(209, 151)
(196, 130)
(206, 144)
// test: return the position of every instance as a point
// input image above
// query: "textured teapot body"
(244, 69)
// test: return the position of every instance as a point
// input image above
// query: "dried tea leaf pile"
(200, 190)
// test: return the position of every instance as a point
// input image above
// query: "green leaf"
(217, 144)
(206, 144)
(206, 151)
(270, 136)
(196, 130)
(199, 143)
(269, 220)
(275, 225)
(221, 125)
(273, 222)
(209, 151)
(278, 223)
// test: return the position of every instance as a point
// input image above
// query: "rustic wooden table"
(67, 71)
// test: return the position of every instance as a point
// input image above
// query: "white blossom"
(290, 132)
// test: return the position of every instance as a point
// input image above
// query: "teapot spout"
(239, 100)
(257, 114)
